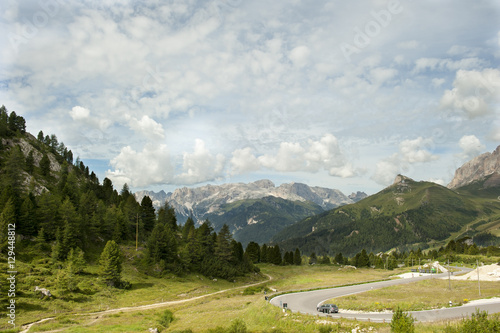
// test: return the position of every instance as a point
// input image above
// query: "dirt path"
(25, 328)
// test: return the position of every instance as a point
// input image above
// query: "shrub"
(238, 326)
(166, 318)
(402, 322)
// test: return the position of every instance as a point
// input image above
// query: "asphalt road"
(306, 302)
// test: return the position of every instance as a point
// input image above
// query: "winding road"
(306, 302)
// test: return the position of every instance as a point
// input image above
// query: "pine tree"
(362, 259)
(27, 219)
(30, 162)
(264, 253)
(339, 258)
(313, 259)
(186, 229)
(297, 259)
(76, 260)
(223, 248)
(45, 165)
(110, 263)
(147, 214)
(253, 252)
(325, 260)
(7, 217)
(275, 255)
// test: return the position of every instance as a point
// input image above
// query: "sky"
(338, 94)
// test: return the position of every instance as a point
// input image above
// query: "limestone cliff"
(479, 168)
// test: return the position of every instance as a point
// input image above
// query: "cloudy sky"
(341, 94)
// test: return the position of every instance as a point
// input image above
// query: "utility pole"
(137, 232)
(478, 283)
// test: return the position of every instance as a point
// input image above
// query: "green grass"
(210, 312)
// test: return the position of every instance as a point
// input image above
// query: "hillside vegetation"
(405, 215)
(57, 222)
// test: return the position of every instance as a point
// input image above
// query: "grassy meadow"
(97, 308)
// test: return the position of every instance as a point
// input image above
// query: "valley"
(90, 258)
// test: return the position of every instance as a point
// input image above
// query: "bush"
(238, 326)
(166, 318)
(479, 323)
(402, 322)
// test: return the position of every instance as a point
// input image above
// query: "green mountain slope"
(404, 214)
(259, 219)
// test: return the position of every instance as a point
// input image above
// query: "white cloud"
(386, 170)
(410, 152)
(475, 93)
(83, 116)
(150, 166)
(300, 55)
(324, 154)
(147, 127)
(380, 75)
(471, 147)
(200, 165)
(244, 161)
(413, 151)
(79, 113)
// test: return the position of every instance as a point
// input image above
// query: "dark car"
(328, 308)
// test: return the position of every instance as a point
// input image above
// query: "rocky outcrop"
(358, 196)
(481, 167)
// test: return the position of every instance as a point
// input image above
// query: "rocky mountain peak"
(479, 168)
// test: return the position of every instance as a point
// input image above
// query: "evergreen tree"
(237, 252)
(30, 162)
(4, 120)
(125, 192)
(186, 228)
(166, 215)
(76, 260)
(223, 248)
(110, 263)
(325, 260)
(297, 258)
(7, 217)
(362, 259)
(27, 219)
(264, 253)
(313, 259)
(59, 250)
(274, 255)
(73, 235)
(45, 165)
(253, 252)
(13, 168)
(147, 214)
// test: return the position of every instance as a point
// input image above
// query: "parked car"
(328, 308)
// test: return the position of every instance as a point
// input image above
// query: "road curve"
(306, 302)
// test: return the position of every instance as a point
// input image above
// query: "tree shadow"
(136, 286)
(30, 307)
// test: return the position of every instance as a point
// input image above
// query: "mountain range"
(253, 211)
(408, 214)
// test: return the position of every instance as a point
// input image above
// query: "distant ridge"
(253, 211)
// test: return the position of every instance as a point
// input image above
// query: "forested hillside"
(60, 207)
(406, 215)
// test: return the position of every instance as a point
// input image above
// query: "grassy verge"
(422, 295)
